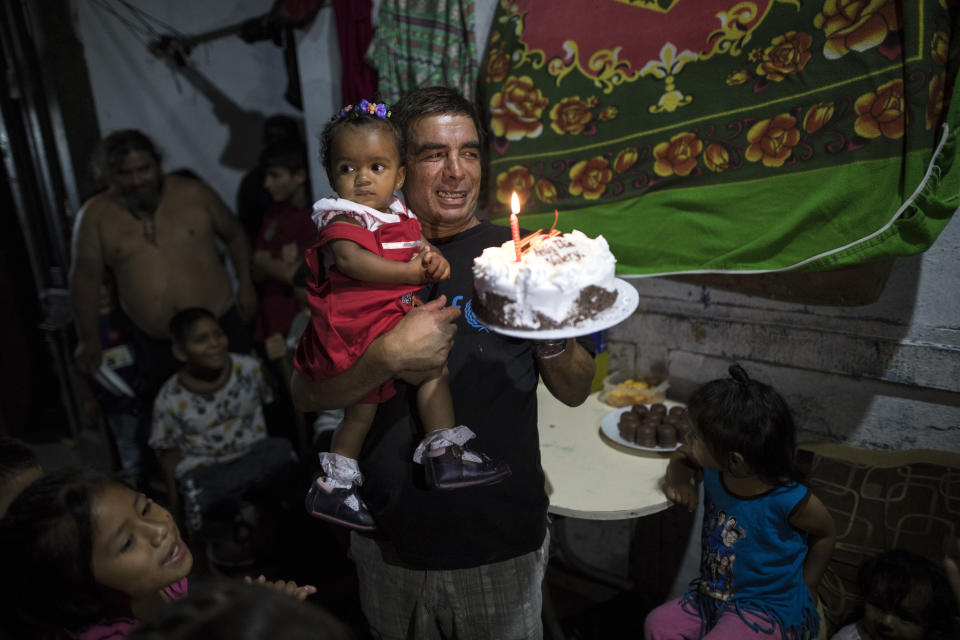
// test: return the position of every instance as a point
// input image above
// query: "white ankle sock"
(340, 471)
(445, 438)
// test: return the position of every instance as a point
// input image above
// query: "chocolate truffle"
(650, 424)
(658, 409)
(627, 425)
(629, 420)
(646, 436)
(667, 435)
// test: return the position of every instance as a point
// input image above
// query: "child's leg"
(435, 402)
(672, 621)
(677, 620)
(333, 493)
(731, 626)
(449, 464)
(352, 430)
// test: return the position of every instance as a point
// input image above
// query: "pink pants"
(671, 621)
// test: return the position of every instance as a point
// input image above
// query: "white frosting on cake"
(548, 279)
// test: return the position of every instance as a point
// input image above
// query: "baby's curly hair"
(350, 117)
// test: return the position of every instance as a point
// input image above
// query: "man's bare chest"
(167, 235)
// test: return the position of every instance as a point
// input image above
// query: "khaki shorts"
(500, 600)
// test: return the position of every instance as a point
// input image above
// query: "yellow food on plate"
(626, 398)
(640, 390)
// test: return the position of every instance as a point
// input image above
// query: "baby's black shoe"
(342, 506)
(454, 466)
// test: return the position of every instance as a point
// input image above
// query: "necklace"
(144, 210)
(149, 229)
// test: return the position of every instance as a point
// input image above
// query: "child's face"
(137, 547)
(282, 184)
(902, 622)
(365, 166)
(206, 346)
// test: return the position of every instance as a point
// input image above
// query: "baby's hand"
(436, 267)
(684, 494)
(286, 587)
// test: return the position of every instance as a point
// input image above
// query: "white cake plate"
(626, 303)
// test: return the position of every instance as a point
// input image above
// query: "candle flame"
(514, 203)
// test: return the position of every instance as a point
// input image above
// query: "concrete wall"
(883, 375)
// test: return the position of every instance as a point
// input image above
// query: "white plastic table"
(592, 477)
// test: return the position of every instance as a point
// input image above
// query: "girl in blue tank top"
(766, 539)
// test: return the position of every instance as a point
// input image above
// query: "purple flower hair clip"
(378, 109)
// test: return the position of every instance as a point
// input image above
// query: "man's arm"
(568, 375)
(412, 351)
(226, 225)
(86, 274)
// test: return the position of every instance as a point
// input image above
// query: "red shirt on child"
(283, 224)
(346, 315)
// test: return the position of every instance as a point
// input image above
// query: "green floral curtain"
(728, 135)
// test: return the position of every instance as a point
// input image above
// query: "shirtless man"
(156, 234)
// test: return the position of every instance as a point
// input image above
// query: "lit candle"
(515, 222)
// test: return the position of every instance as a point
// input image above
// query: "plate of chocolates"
(647, 427)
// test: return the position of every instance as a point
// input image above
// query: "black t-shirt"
(493, 380)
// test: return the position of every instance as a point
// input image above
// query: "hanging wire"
(150, 28)
(149, 20)
(138, 31)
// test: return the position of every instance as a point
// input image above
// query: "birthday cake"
(560, 280)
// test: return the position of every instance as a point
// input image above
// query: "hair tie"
(378, 109)
(739, 374)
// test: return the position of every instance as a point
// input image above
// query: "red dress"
(346, 315)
